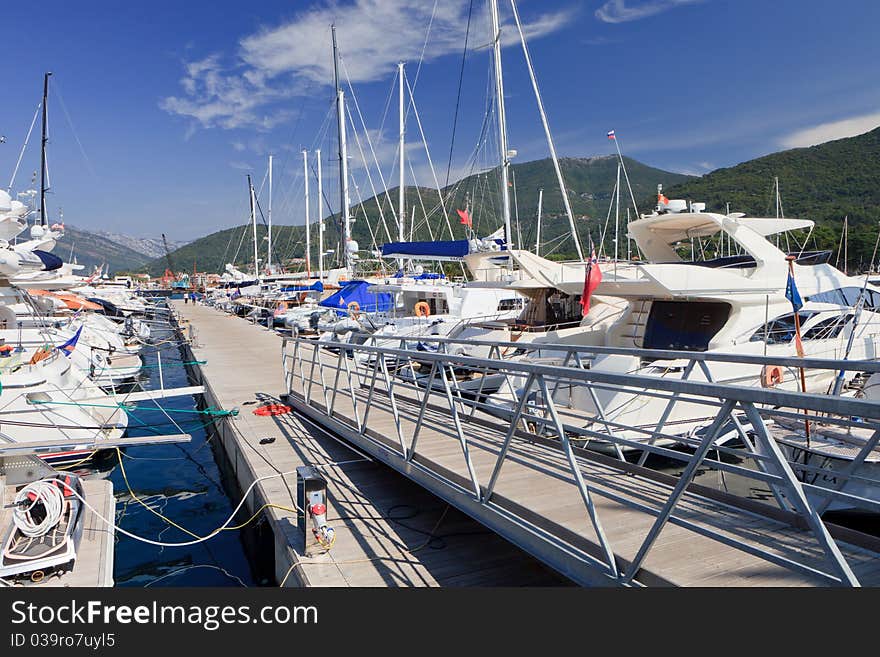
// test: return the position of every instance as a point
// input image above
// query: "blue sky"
(158, 109)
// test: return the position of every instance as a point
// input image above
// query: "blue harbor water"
(182, 482)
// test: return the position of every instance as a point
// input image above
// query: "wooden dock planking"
(94, 561)
(244, 365)
(538, 478)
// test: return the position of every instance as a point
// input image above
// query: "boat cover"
(317, 286)
(440, 249)
(357, 292)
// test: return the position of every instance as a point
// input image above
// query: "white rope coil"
(45, 494)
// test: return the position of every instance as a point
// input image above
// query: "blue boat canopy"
(50, 261)
(452, 249)
(357, 292)
(317, 286)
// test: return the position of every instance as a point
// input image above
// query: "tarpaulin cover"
(51, 262)
(357, 292)
(317, 286)
(445, 249)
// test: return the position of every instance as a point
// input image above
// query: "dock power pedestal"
(311, 515)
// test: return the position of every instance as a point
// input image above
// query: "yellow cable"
(73, 465)
(147, 507)
(183, 529)
(258, 512)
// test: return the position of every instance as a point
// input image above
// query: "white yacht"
(733, 304)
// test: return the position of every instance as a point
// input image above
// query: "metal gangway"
(574, 486)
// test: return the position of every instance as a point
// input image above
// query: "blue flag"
(70, 345)
(792, 294)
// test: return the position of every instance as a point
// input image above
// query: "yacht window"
(780, 330)
(684, 325)
(848, 296)
(437, 306)
(551, 310)
(510, 304)
(827, 328)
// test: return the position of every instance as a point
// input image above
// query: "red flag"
(591, 282)
(465, 217)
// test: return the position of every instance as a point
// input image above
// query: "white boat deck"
(94, 561)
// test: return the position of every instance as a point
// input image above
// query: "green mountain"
(824, 183)
(212, 252)
(589, 183)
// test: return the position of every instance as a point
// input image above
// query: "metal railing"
(540, 408)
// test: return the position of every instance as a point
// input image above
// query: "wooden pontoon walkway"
(389, 531)
(536, 483)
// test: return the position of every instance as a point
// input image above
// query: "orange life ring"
(771, 376)
(354, 309)
(422, 309)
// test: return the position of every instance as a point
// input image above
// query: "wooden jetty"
(389, 531)
(706, 538)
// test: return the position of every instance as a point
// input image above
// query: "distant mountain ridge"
(589, 183)
(823, 183)
(148, 246)
(95, 250)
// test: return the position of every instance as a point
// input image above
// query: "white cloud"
(279, 62)
(243, 166)
(617, 11)
(855, 125)
(215, 96)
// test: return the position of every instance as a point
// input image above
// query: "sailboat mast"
(45, 132)
(562, 189)
(320, 218)
(401, 197)
(502, 122)
(776, 179)
(617, 219)
(538, 229)
(343, 159)
(308, 228)
(269, 252)
(254, 223)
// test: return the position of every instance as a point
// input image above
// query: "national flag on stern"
(792, 294)
(70, 345)
(465, 217)
(611, 134)
(591, 281)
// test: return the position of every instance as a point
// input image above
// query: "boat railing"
(406, 384)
